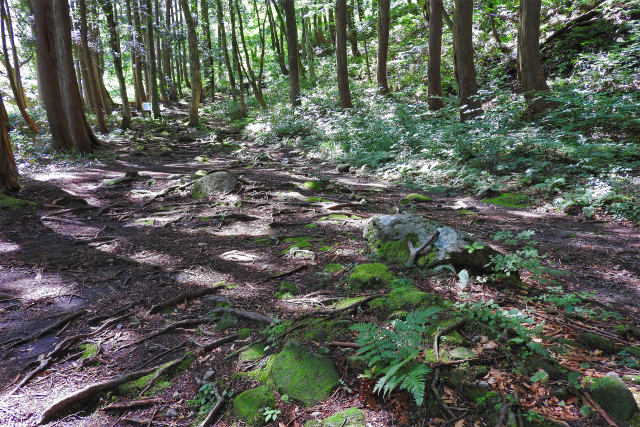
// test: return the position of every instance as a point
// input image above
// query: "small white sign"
(146, 106)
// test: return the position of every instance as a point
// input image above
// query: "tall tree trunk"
(310, 54)
(98, 61)
(8, 171)
(86, 57)
(275, 40)
(140, 67)
(435, 55)
(235, 52)
(254, 81)
(137, 82)
(222, 39)
(164, 92)
(151, 58)
(383, 46)
(194, 59)
(57, 78)
(292, 49)
(114, 41)
(341, 54)
(331, 24)
(463, 54)
(530, 71)
(320, 38)
(364, 40)
(208, 61)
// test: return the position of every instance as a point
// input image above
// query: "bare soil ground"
(101, 253)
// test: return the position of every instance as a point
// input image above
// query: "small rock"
(560, 392)
(484, 385)
(218, 182)
(208, 375)
(462, 353)
(588, 212)
(171, 413)
(176, 395)
(343, 167)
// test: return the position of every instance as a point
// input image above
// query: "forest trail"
(94, 249)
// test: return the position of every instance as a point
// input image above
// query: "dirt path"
(98, 251)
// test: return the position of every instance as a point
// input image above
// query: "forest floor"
(89, 260)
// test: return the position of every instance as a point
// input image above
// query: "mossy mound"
(415, 198)
(398, 251)
(254, 352)
(510, 200)
(402, 299)
(303, 375)
(287, 290)
(301, 242)
(133, 388)
(8, 202)
(352, 417)
(227, 321)
(370, 276)
(463, 353)
(614, 397)
(249, 405)
(314, 185)
(88, 350)
(243, 333)
(596, 342)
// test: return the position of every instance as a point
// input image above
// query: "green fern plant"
(393, 354)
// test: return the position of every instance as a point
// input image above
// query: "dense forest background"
(230, 212)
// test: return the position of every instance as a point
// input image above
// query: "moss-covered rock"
(8, 202)
(213, 184)
(243, 333)
(614, 396)
(387, 236)
(370, 276)
(313, 185)
(227, 321)
(254, 352)
(303, 375)
(352, 417)
(287, 290)
(171, 369)
(596, 342)
(461, 353)
(249, 405)
(510, 200)
(405, 298)
(415, 198)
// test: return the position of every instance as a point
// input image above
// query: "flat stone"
(213, 184)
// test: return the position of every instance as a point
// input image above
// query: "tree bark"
(341, 54)
(530, 71)
(137, 75)
(57, 79)
(151, 61)
(208, 54)
(292, 49)
(194, 60)
(8, 171)
(463, 55)
(114, 41)
(353, 35)
(90, 72)
(435, 55)
(235, 52)
(383, 46)
(167, 53)
(222, 40)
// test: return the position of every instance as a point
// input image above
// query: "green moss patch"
(510, 200)
(303, 375)
(287, 290)
(254, 352)
(249, 405)
(614, 397)
(338, 217)
(88, 350)
(596, 342)
(405, 298)
(243, 333)
(397, 251)
(8, 202)
(345, 302)
(415, 198)
(227, 321)
(314, 185)
(302, 242)
(370, 276)
(133, 388)
(352, 417)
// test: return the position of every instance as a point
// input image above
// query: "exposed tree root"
(162, 371)
(44, 331)
(133, 404)
(279, 276)
(251, 315)
(414, 252)
(184, 297)
(179, 324)
(213, 413)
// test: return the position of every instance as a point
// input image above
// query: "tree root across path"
(94, 390)
(184, 297)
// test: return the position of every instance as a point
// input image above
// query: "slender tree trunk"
(93, 90)
(167, 53)
(341, 54)
(435, 55)
(194, 59)
(320, 38)
(364, 38)
(353, 35)
(208, 54)
(8, 171)
(222, 39)
(105, 97)
(114, 41)
(275, 41)
(140, 68)
(13, 72)
(151, 58)
(292, 49)
(137, 83)
(383, 46)
(332, 25)
(310, 53)
(463, 54)
(235, 52)
(164, 92)
(530, 71)
(254, 81)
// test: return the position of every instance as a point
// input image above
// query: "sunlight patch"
(239, 256)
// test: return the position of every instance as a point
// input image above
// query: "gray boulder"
(215, 183)
(387, 237)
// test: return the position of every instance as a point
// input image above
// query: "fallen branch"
(218, 343)
(179, 324)
(285, 274)
(179, 186)
(251, 315)
(184, 297)
(214, 411)
(341, 344)
(133, 404)
(413, 252)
